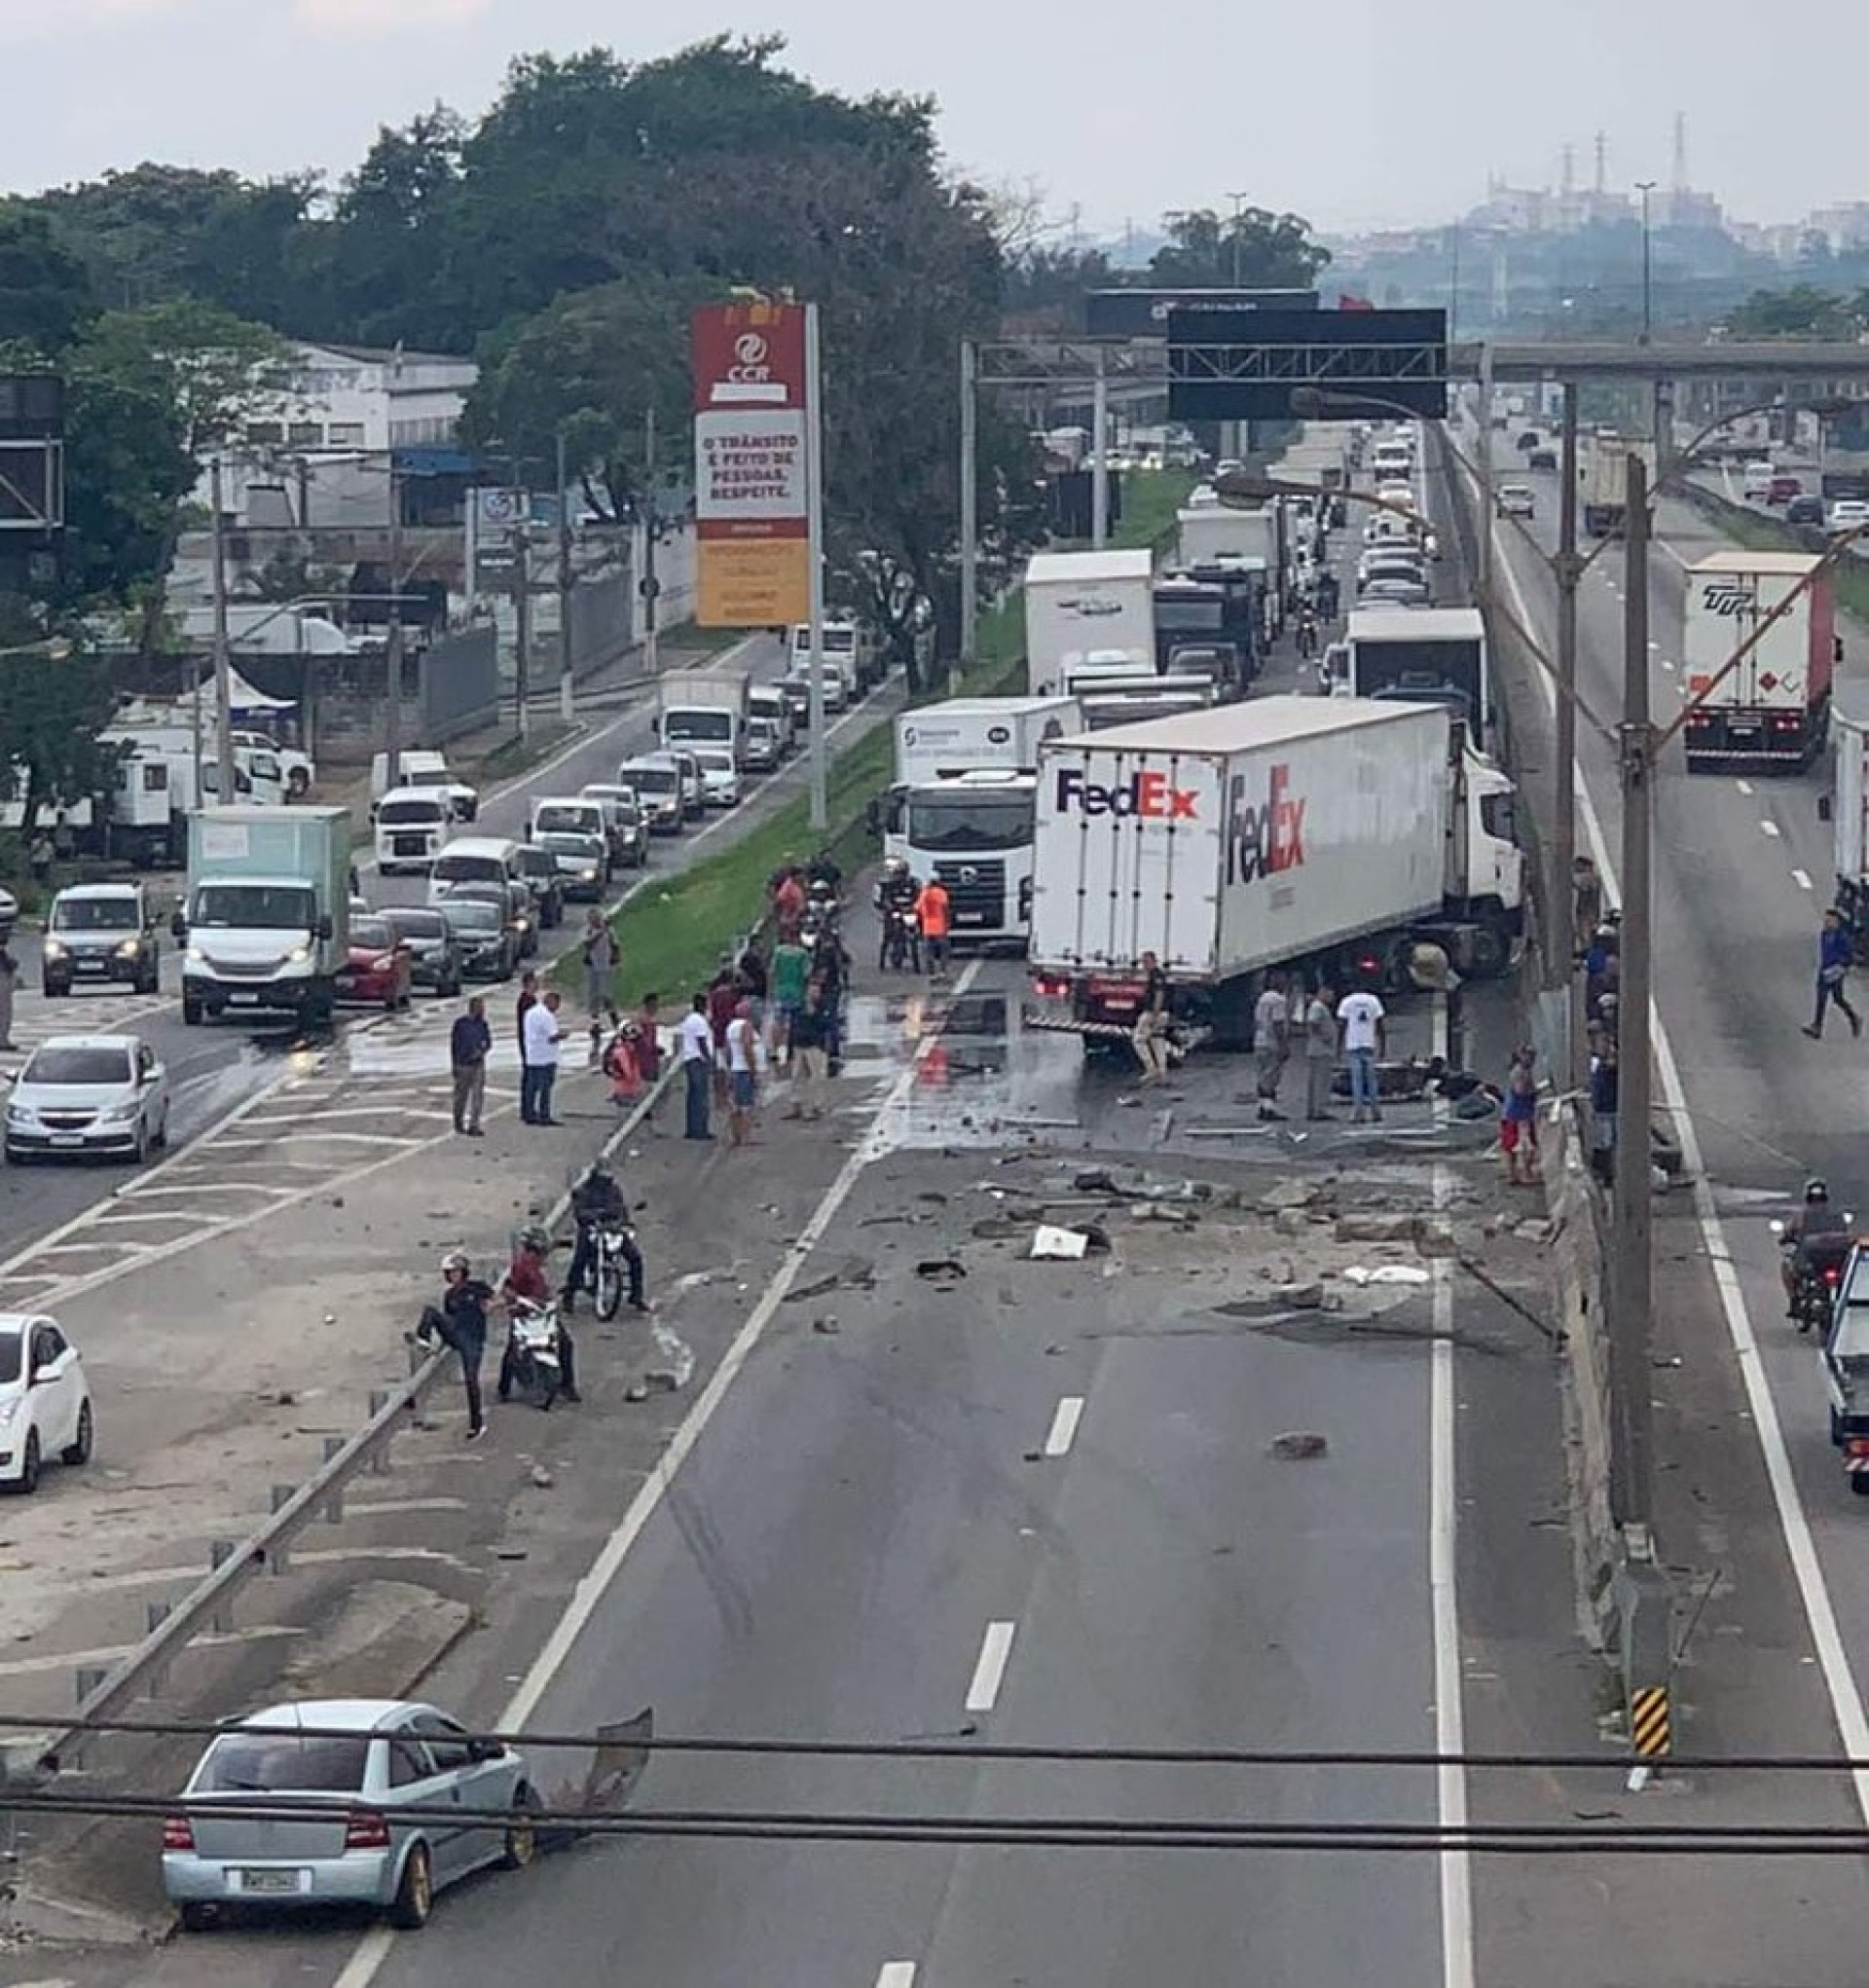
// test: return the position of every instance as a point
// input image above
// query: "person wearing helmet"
(1816, 1236)
(527, 1277)
(899, 932)
(459, 1322)
(598, 1201)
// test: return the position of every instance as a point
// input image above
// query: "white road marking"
(374, 1949)
(1666, 664)
(1768, 829)
(1064, 1426)
(1745, 786)
(1802, 878)
(897, 1974)
(1814, 1590)
(989, 1670)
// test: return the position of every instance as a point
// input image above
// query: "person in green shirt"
(788, 976)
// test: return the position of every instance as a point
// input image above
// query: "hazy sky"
(1371, 113)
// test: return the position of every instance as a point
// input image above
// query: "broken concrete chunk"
(1287, 1195)
(1301, 1297)
(1433, 1235)
(1535, 1228)
(1376, 1228)
(1095, 1180)
(1298, 1446)
(1290, 1222)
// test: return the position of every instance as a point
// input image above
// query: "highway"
(218, 1070)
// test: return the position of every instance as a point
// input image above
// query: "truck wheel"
(1488, 952)
(1859, 1483)
(1836, 1430)
(190, 1013)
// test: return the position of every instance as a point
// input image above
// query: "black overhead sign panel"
(1246, 365)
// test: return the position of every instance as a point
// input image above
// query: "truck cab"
(412, 825)
(974, 831)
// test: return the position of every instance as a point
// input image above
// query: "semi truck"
(1323, 835)
(1773, 709)
(1421, 655)
(1604, 472)
(1077, 604)
(961, 807)
(1848, 809)
(266, 918)
(697, 708)
(1222, 533)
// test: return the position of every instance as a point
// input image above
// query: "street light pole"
(521, 622)
(1632, 1450)
(392, 657)
(969, 507)
(1564, 935)
(567, 687)
(1100, 453)
(222, 664)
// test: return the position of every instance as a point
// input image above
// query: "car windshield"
(488, 869)
(374, 932)
(953, 823)
(95, 914)
(421, 811)
(76, 1063)
(655, 779)
(473, 914)
(692, 724)
(267, 1763)
(572, 845)
(12, 1347)
(255, 907)
(564, 820)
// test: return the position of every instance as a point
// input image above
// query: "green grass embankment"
(671, 937)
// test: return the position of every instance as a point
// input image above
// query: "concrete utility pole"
(1100, 453)
(1483, 456)
(567, 685)
(815, 532)
(222, 664)
(393, 646)
(522, 620)
(1631, 1453)
(651, 586)
(969, 507)
(1565, 938)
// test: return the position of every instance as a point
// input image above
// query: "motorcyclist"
(598, 1201)
(1306, 633)
(527, 1278)
(897, 890)
(1815, 1235)
(823, 868)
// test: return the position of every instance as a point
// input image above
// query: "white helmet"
(456, 1260)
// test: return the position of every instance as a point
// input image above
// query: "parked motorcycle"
(609, 1274)
(530, 1367)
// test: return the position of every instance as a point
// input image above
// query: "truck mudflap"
(1184, 1037)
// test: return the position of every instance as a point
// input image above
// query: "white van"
(474, 860)
(568, 814)
(1755, 482)
(418, 766)
(412, 822)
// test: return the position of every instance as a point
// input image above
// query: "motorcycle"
(532, 1366)
(610, 1270)
(901, 938)
(1817, 1276)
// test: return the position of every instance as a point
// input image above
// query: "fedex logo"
(1266, 839)
(1146, 795)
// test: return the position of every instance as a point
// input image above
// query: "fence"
(458, 685)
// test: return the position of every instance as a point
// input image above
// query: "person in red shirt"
(527, 1277)
(788, 903)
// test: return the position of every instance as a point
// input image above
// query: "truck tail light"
(365, 1829)
(1049, 988)
(177, 1833)
(1856, 1446)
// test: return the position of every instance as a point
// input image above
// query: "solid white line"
(1745, 786)
(1802, 878)
(897, 1974)
(1768, 829)
(1064, 1426)
(1814, 1590)
(989, 1671)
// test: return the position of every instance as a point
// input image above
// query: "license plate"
(242, 1000)
(68, 1138)
(88, 966)
(274, 1881)
(969, 918)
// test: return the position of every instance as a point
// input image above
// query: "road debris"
(1298, 1446)
(1050, 1243)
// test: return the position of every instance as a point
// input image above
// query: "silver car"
(80, 1094)
(352, 1846)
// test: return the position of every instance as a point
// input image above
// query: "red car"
(1783, 488)
(380, 968)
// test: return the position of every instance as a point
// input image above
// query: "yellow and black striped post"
(1650, 1724)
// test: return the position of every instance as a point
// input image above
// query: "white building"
(316, 449)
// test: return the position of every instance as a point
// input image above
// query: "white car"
(9, 913)
(1514, 500)
(44, 1405)
(719, 776)
(85, 1094)
(1848, 514)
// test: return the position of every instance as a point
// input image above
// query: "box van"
(568, 814)
(1755, 482)
(767, 700)
(419, 766)
(412, 822)
(474, 860)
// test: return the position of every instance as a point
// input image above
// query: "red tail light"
(177, 1833)
(365, 1829)
(1833, 1275)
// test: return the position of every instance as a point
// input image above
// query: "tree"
(45, 295)
(1253, 249)
(52, 709)
(1801, 311)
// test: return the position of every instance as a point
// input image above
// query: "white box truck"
(1079, 604)
(266, 919)
(1420, 655)
(1604, 474)
(1325, 835)
(1774, 708)
(1848, 809)
(961, 805)
(696, 708)
(1224, 534)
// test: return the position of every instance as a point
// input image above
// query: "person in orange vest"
(935, 914)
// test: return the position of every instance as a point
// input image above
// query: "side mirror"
(1824, 809)
(479, 1748)
(873, 816)
(1777, 1227)
(323, 928)
(178, 923)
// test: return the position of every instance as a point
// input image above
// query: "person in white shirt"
(694, 1040)
(1362, 1028)
(743, 1073)
(1320, 1054)
(541, 1036)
